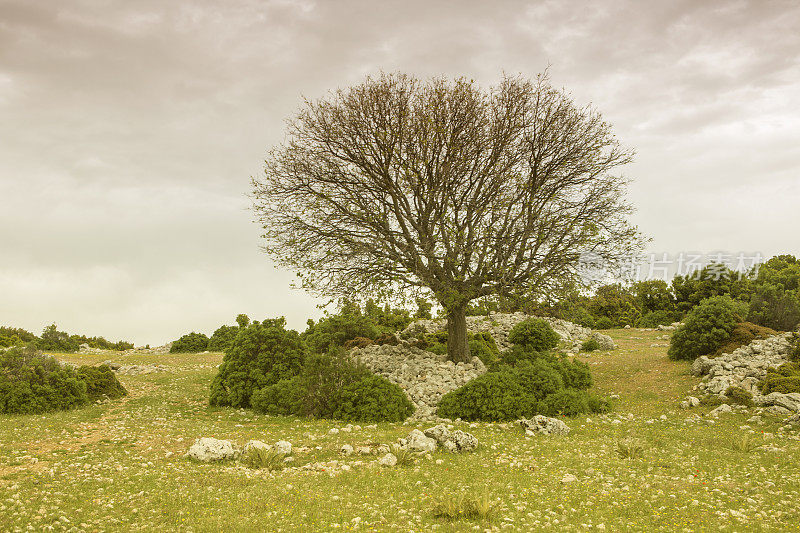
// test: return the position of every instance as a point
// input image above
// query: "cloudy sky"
(129, 131)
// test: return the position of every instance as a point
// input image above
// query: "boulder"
(388, 460)
(211, 449)
(721, 409)
(543, 425)
(440, 433)
(465, 442)
(346, 449)
(790, 402)
(283, 447)
(605, 342)
(418, 442)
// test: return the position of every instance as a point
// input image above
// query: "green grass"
(120, 465)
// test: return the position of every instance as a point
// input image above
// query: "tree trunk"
(457, 345)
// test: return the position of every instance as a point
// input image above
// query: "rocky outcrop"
(498, 325)
(745, 367)
(543, 425)
(208, 449)
(424, 376)
(457, 441)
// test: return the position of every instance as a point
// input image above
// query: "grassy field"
(120, 465)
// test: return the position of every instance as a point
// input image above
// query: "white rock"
(418, 442)
(724, 408)
(544, 425)
(211, 449)
(255, 445)
(284, 447)
(568, 478)
(346, 449)
(388, 460)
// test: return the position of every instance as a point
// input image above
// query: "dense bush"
(481, 345)
(494, 396)
(784, 379)
(590, 345)
(738, 395)
(101, 382)
(773, 306)
(222, 338)
(190, 343)
(657, 318)
(32, 383)
(101, 343)
(262, 354)
(713, 280)
(534, 334)
(743, 334)
(705, 329)
(795, 354)
(53, 340)
(616, 305)
(332, 386)
(14, 337)
(571, 402)
(511, 392)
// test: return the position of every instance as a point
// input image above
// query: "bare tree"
(399, 185)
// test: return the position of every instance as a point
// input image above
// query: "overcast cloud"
(129, 132)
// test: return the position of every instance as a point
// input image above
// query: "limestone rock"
(721, 409)
(465, 442)
(255, 445)
(388, 460)
(283, 447)
(211, 449)
(346, 449)
(418, 442)
(544, 425)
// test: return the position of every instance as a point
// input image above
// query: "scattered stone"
(211, 449)
(283, 447)
(690, 402)
(544, 425)
(418, 442)
(255, 445)
(388, 460)
(569, 478)
(724, 408)
(346, 449)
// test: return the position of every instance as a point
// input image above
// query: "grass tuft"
(268, 458)
(464, 507)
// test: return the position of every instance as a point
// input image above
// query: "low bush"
(494, 396)
(358, 342)
(222, 339)
(535, 385)
(705, 329)
(53, 340)
(517, 354)
(738, 395)
(15, 337)
(795, 354)
(590, 345)
(534, 334)
(784, 379)
(33, 383)
(481, 345)
(268, 458)
(190, 343)
(654, 319)
(743, 334)
(332, 386)
(572, 402)
(101, 382)
(261, 354)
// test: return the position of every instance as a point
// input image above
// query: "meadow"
(646, 466)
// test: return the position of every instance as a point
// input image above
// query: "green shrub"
(795, 355)
(576, 375)
(15, 337)
(33, 383)
(614, 306)
(332, 386)
(705, 328)
(534, 334)
(743, 334)
(773, 306)
(784, 379)
(590, 345)
(483, 346)
(571, 402)
(269, 458)
(603, 322)
(538, 378)
(190, 343)
(358, 342)
(517, 354)
(335, 330)
(283, 398)
(222, 339)
(101, 382)
(53, 340)
(738, 395)
(261, 354)
(372, 399)
(101, 343)
(494, 396)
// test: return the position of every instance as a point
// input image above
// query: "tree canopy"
(398, 186)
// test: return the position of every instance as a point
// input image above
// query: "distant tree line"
(53, 340)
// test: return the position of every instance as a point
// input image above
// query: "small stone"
(568, 478)
(284, 447)
(346, 449)
(388, 460)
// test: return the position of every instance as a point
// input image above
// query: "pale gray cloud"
(129, 131)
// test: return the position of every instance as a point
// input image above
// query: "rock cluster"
(210, 449)
(426, 442)
(498, 325)
(543, 425)
(424, 376)
(745, 367)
